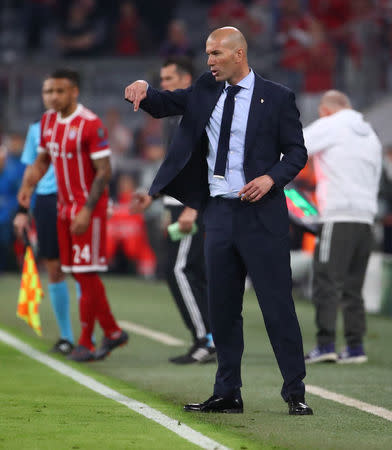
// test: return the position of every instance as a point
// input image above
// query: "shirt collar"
(246, 83)
(69, 118)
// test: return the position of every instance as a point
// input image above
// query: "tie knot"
(232, 90)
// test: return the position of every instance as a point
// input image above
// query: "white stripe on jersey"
(73, 211)
(63, 154)
(46, 123)
(53, 139)
(101, 154)
(80, 161)
(45, 127)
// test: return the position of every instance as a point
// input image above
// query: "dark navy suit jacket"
(273, 129)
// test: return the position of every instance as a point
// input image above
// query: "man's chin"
(219, 77)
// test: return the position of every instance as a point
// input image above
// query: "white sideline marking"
(152, 334)
(141, 408)
(348, 401)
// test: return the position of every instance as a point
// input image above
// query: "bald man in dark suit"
(225, 161)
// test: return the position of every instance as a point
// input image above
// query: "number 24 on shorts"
(81, 254)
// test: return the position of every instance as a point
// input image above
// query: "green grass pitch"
(41, 409)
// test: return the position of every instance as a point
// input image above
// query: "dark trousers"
(45, 215)
(186, 277)
(340, 262)
(237, 243)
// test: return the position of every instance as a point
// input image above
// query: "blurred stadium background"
(309, 45)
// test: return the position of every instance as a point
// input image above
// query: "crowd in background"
(309, 45)
(316, 43)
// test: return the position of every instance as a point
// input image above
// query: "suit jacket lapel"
(257, 112)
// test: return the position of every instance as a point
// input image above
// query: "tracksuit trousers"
(340, 262)
(186, 278)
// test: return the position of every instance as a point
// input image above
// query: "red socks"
(93, 305)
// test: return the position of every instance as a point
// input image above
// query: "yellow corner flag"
(30, 293)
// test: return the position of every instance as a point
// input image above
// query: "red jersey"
(73, 142)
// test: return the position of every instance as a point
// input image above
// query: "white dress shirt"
(234, 179)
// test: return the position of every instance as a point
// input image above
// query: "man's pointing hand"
(136, 92)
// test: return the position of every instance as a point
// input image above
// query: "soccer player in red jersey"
(74, 139)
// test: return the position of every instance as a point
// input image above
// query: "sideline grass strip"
(180, 429)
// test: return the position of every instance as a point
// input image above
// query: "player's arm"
(32, 175)
(102, 177)
(29, 155)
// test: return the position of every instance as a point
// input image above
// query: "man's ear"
(324, 111)
(188, 79)
(239, 55)
(75, 92)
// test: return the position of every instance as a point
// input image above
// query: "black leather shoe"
(216, 404)
(297, 408)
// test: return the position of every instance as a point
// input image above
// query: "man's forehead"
(47, 83)
(212, 44)
(170, 69)
(61, 82)
(217, 43)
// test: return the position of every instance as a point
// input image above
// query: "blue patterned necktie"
(224, 135)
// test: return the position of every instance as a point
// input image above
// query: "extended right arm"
(157, 103)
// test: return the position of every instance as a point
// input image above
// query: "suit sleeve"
(291, 144)
(165, 103)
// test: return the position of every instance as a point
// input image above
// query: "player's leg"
(185, 275)
(94, 305)
(45, 214)
(113, 335)
(87, 310)
(353, 308)
(88, 257)
(59, 299)
(84, 351)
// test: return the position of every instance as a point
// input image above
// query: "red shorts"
(83, 252)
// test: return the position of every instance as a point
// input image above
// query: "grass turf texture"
(141, 371)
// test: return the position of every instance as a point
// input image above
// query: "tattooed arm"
(102, 177)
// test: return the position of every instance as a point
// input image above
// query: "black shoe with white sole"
(199, 353)
(62, 346)
(299, 408)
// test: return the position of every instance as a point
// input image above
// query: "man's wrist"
(22, 210)
(88, 208)
(271, 180)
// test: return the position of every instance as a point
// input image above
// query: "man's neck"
(68, 111)
(240, 76)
